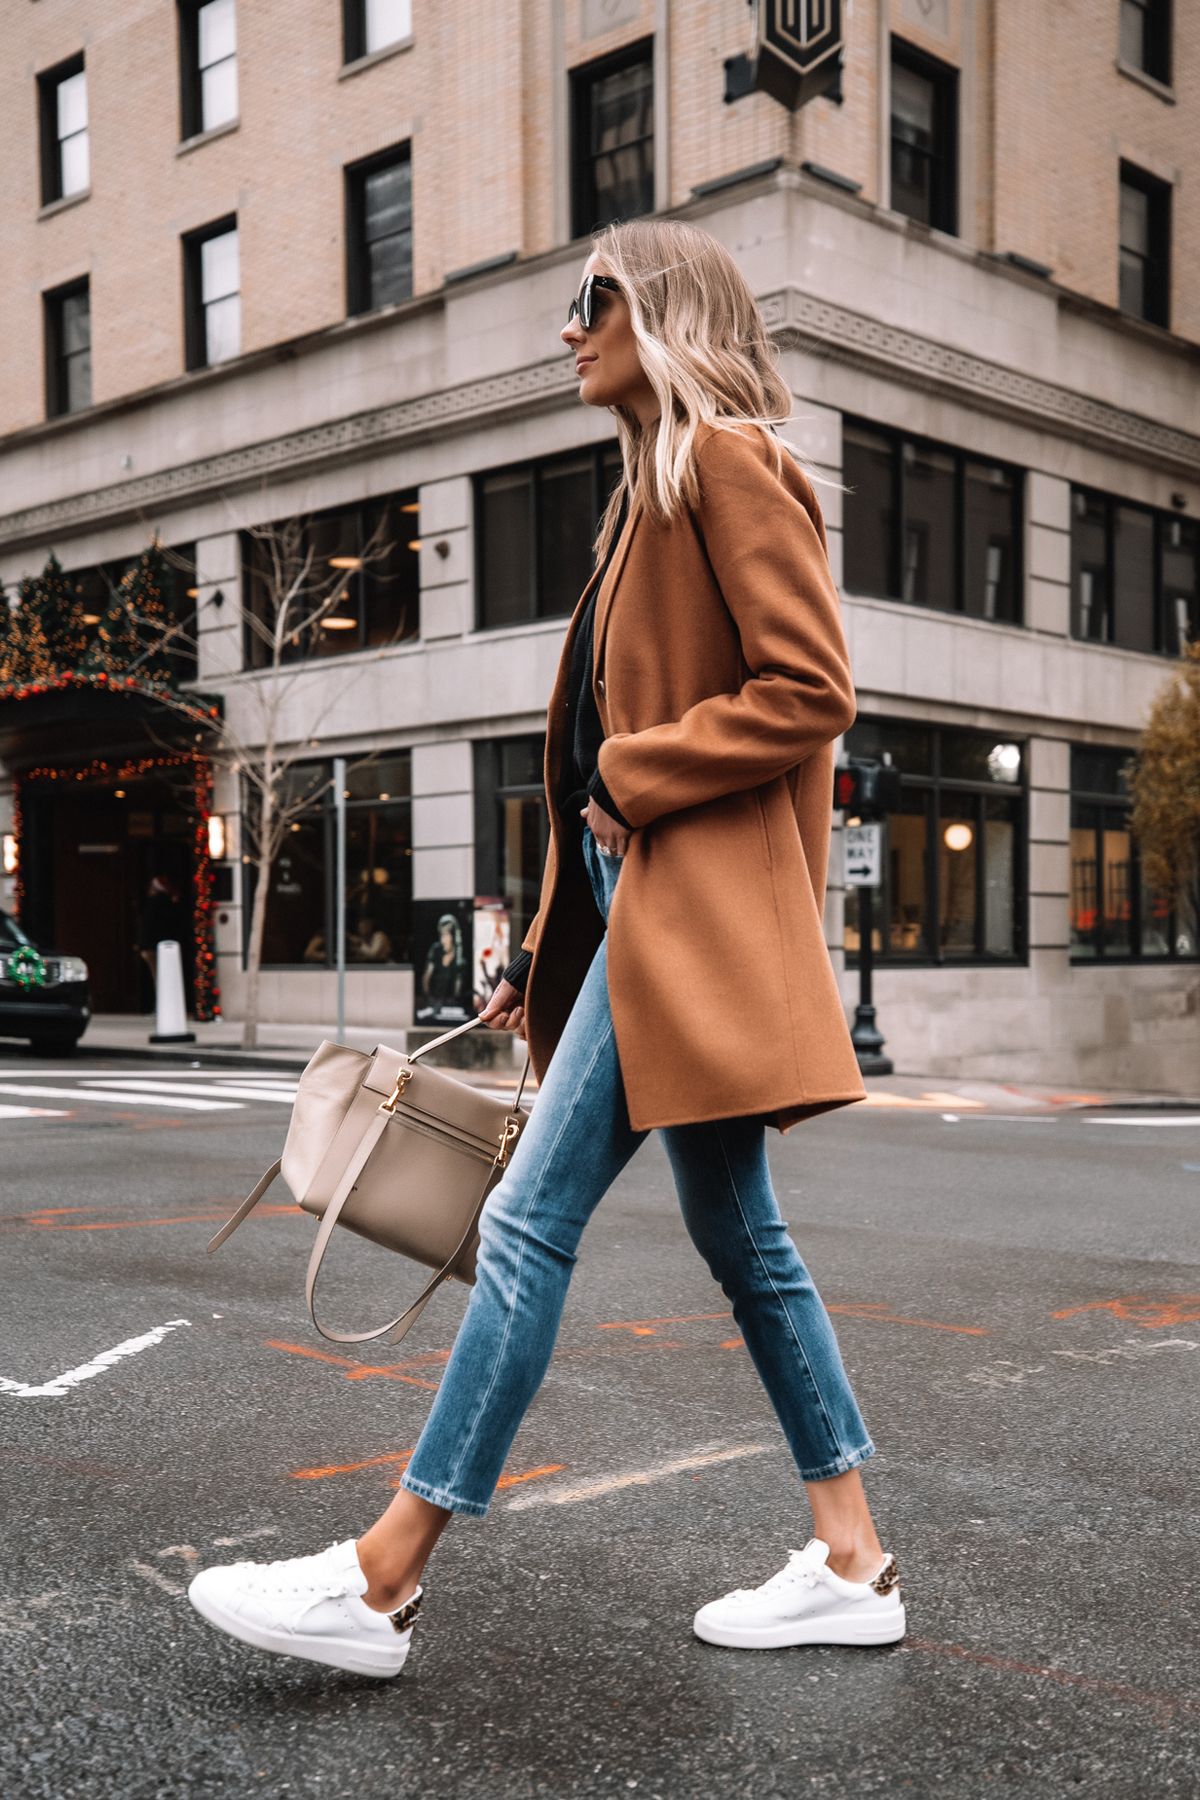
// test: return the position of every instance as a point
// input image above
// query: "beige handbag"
(402, 1155)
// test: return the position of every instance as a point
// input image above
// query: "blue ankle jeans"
(576, 1144)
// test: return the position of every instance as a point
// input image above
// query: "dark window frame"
(583, 174)
(358, 275)
(1113, 810)
(933, 786)
(1163, 628)
(895, 553)
(944, 156)
(491, 794)
(56, 374)
(366, 513)
(1157, 35)
(48, 83)
(195, 337)
(1156, 273)
(323, 812)
(191, 76)
(538, 468)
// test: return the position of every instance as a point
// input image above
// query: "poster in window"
(493, 934)
(443, 949)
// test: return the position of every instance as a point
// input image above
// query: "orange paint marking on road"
(1113, 1690)
(371, 1462)
(649, 1327)
(1151, 1315)
(887, 1318)
(36, 1223)
(734, 1344)
(356, 1371)
(531, 1474)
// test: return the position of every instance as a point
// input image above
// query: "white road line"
(152, 1085)
(608, 1484)
(62, 1384)
(31, 1112)
(1190, 1119)
(127, 1098)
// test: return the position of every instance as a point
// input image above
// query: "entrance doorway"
(102, 843)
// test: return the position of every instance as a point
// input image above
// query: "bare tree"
(290, 600)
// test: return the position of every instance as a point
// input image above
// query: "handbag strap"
(397, 1328)
(437, 1042)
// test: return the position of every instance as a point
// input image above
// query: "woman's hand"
(604, 828)
(505, 1011)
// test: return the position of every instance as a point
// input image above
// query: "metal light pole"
(339, 802)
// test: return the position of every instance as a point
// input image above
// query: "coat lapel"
(608, 588)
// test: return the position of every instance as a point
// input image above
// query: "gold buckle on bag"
(508, 1137)
(402, 1081)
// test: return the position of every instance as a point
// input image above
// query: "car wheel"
(53, 1046)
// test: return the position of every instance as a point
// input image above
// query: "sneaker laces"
(284, 1577)
(802, 1569)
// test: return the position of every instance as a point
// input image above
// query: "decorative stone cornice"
(794, 318)
(823, 329)
(496, 397)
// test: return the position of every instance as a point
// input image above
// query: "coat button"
(600, 684)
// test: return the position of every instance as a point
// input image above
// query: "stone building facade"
(313, 259)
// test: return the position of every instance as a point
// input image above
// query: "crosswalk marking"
(153, 1085)
(123, 1098)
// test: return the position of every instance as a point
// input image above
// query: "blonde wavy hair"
(705, 350)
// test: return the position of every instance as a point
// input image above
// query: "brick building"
(270, 260)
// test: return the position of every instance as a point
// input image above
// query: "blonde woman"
(703, 681)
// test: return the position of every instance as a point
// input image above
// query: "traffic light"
(866, 790)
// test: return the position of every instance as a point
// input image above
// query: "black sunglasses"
(585, 305)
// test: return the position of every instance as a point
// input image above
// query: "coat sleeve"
(762, 533)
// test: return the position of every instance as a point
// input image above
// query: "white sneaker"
(309, 1607)
(806, 1603)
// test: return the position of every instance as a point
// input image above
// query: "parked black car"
(43, 997)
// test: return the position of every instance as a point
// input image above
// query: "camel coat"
(721, 677)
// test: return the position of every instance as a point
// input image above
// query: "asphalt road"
(1018, 1301)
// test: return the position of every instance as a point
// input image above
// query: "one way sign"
(863, 848)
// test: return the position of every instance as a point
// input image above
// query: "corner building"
(267, 261)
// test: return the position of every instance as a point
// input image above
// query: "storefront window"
(300, 924)
(1115, 916)
(954, 851)
(512, 827)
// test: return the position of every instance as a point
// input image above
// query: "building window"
(212, 295)
(370, 25)
(301, 922)
(512, 828)
(954, 859)
(208, 81)
(930, 525)
(379, 241)
(1145, 247)
(1146, 37)
(535, 528)
(63, 106)
(97, 584)
(1134, 575)
(1115, 917)
(68, 316)
(365, 557)
(612, 135)
(924, 138)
